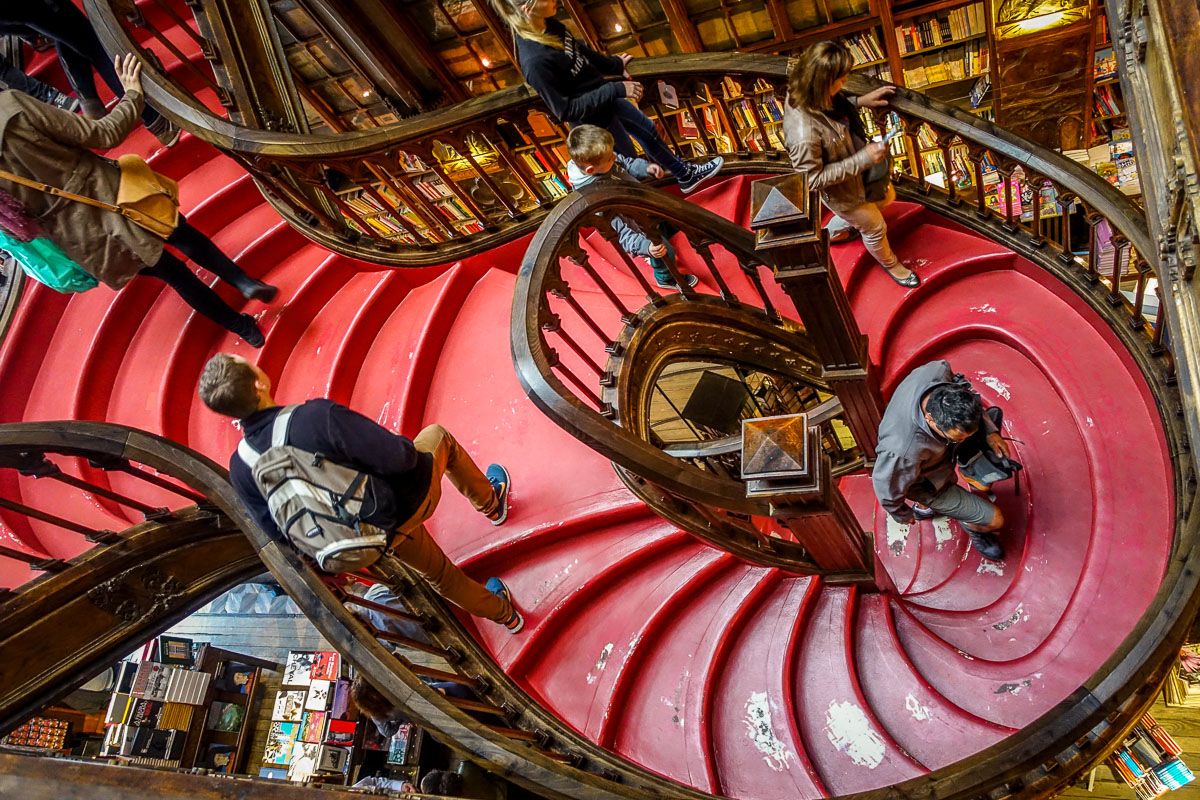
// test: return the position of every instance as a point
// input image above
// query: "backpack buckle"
(317, 459)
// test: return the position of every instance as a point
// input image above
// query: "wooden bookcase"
(217, 662)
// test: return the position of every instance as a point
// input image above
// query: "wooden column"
(786, 215)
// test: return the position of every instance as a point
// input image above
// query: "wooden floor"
(1184, 726)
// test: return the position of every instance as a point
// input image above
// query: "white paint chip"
(986, 308)
(987, 567)
(942, 532)
(762, 733)
(918, 711)
(996, 385)
(897, 535)
(605, 652)
(850, 731)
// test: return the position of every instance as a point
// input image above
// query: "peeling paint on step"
(600, 662)
(1013, 688)
(987, 567)
(918, 711)
(995, 384)
(1017, 615)
(897, 535)
(942, 532)
(848, 728)
(762, 733)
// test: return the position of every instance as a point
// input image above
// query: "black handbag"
(877, 177)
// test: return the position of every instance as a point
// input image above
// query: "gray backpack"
(316, 503)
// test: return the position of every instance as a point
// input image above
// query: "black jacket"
(399, 474)
(575, 82)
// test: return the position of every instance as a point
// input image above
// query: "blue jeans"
(628, 120)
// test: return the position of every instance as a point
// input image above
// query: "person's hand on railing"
(876, 98)
(633, 90)
(877, 152)
(129, 71)
(654, 171)
(625, 59)
(658, 250)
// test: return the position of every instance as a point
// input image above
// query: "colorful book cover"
(296, 672)
(332, 759)
(318, 695)
(341, 699)
(341, 731)
(175, 650)
(226, 717)
(235, 677)
(325, 666)
(217, 757)
(314, 726)
(304, 760)
(157, 681)
(280, 740)
(398, 746)
(145, 713)
(289, 705)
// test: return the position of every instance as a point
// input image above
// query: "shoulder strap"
(279, 431)
(48, 189)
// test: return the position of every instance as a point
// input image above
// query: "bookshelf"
(1148, 760)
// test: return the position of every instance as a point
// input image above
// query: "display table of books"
(313, 728)
(1148, 760)
(183, 706)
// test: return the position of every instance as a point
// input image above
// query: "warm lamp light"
(1037, 23)
(485, 62)
(617, 27)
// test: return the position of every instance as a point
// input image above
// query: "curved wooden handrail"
(10, 297)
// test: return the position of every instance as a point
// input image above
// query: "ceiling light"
(485, 62)
(618, 27)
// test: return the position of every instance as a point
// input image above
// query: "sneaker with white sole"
(699, 173)
(516, 622)
(987, 544)
(690, 280)
(498, 477)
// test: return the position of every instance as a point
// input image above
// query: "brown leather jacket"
(822, 148)
(50, 145)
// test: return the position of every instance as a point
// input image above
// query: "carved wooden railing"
(163, 552)
(591, 342)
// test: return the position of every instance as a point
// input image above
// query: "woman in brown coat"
(820, 132)
(49, 145)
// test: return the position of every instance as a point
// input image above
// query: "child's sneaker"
(498, 477)
(923, 512)
(669, 283)
(699, 173)
(516, 622)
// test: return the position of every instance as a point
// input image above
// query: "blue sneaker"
(498, 477)
(699, 173)
(516, 622)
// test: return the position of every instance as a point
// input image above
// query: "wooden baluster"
(704, 249)
(1121, 248)
(552, 323)
(1006, 177)
(424, 151)
(278, 177)
(464, 152)
(34, 562)
(549, 156)
(111, 463)
(911, 129)
(354, 599)
(751, 271)
(1066, 199)
(976, 156)
(727, 119)
(414, 199)
(1035, 183)
(517, 167)
(1093, 261)
(944, 142)
(580, 257)
(184, 61)
(36, 465)
(756, 114)
(710, 149)
(393, 212)
(664, 121)
(1138, 321)
(346, 209)
(92, 534)
(556, 364)
(412, 644)
(562, 290)
(1156, 340)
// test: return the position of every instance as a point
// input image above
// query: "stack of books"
(309, 730)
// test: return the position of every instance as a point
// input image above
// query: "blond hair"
(513, 13)
(810, 82)
(227, 386)
(587, 144)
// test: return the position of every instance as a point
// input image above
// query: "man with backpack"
(343, 490)
(934, 420)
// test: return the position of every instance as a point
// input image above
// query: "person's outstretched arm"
(76, 130)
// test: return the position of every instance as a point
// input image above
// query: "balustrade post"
(786, 215)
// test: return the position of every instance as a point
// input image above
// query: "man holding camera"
(934, 416)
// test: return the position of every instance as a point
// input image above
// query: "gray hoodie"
(624, 170)
(912, 462)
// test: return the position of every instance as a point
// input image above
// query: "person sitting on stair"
(404, 476)
(593, 159)
(933, 416)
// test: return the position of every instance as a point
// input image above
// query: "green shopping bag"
(45, 262)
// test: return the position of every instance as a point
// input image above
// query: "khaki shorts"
(957, 503)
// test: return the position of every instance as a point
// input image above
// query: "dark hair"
(954, 407)
(370, 701)
(443, 782)
(227, 386)
(810, 81)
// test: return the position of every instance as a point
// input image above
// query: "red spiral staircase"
(734, 679)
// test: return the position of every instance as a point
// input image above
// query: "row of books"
(1148, 760)
(1105, 64)
(932, 30)
(864, 47)
(154, 682)
(957, 63)
(980, 90)
(1106, 102)
(309, 732)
